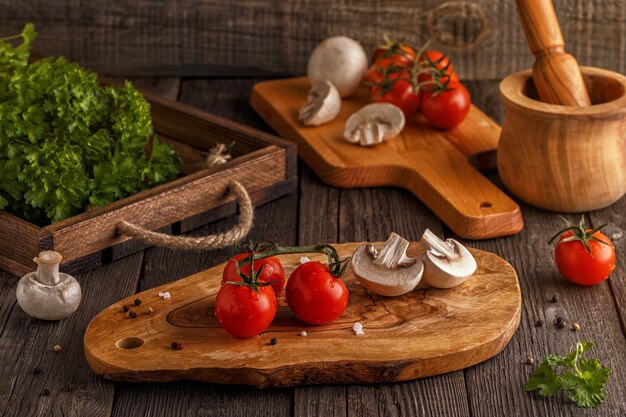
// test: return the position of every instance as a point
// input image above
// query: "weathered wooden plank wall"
(255, 37)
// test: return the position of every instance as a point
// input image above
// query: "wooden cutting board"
(426, 332)
(435, 165)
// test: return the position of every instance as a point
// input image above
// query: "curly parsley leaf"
(583, 379)
(12, 57)
(66, 142)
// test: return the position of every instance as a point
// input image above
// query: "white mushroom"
(322, 106)
(374, 124)
(340, 60)
(48, 294)
(387, 272)
(446, 263)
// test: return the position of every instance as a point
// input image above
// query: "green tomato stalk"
(264, 250)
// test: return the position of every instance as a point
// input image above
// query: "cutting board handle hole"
(129, 343)
(486, 204)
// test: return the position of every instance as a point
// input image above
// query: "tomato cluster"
(418, 81)
(246, 302)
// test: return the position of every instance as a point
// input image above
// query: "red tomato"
(273, 271)
(314, 295)
(243, 312)
(393, 87)
(581, 267)
(440, 62)
(446, 109)
(402, 53)
(438, 59)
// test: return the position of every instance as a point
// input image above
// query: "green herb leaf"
(66, 142)
(544, 380)
(583, 379)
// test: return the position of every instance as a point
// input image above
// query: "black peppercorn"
(137, 301)
(45, 392)
(37, 370)
(539, 323)
(125, 308)
(132, 314)
(560, 323)
(273, 341)
(174, 345)
(555, 298)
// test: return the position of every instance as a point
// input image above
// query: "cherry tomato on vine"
(390, 83)
(273, 271)
(314, 295)
(584, 256)
(402, 53)
(243, 312)
(441, 65)
(446, 109)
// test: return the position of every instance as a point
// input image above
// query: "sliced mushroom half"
(374, 124)
(387, 271)
(446, 263)
(322, 106)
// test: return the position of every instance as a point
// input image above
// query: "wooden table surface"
(318, 213)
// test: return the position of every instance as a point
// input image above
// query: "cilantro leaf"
(544, 380)
(583, 379)
(587, 388)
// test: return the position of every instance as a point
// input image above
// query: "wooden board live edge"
(433, 164)
(423, 333)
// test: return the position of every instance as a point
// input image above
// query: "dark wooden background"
(275, 37)
(227, 44)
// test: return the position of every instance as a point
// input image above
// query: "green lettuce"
(66, 142)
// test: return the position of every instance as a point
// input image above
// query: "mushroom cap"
(48, 302)
(374, 124)
(381, 280)
(322, 106)
(341, 60)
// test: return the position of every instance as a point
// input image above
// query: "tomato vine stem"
(264, 250)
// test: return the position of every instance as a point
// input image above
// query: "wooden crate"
(264, 164)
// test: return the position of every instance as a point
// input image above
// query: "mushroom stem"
(393, 253)
(442, 247)
(48, 267)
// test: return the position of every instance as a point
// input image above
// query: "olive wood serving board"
(439, 167)
(423, 333)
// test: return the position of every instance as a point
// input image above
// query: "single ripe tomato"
(446, 109)
(442, 70)
(390, 83)
(273, 271)
(243, 312)
(314, 295)
(437, 59)
(577, 264)
(402, 53)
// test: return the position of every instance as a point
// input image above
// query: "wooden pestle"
(556, 73)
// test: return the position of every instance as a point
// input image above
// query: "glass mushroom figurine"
(46, 293)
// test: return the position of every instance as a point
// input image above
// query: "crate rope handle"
(216, 241)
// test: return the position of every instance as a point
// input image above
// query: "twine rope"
(216, 241)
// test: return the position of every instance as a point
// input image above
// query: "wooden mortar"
(565, 158)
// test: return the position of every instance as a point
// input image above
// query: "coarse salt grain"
(303, 333)
(165, 295)
(304, 259)
(358, 328)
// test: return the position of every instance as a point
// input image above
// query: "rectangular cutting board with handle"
(425, 332)
(436, 166)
